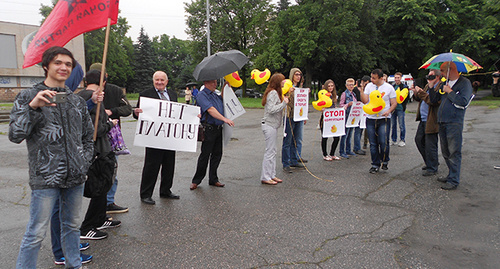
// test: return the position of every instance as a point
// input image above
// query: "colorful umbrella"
(464, 63)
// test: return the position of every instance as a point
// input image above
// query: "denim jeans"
(398, 118)
(378, 135)
(427, 145)
(55, 232)
(450, 135)
(357, 139)
(112, 191)
(41, 206)
(345, 146)
(292, 143)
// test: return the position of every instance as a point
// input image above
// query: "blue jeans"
(398, 117)
(112, 191)
(41, 206)
(357, 139)
(292, 143)
(378, 135)
(427, 145)
(450, 135)
(345, 147)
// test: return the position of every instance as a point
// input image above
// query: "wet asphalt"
(331, 215)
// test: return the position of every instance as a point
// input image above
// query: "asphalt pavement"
(332, 215)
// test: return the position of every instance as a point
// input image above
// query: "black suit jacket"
(151, 93)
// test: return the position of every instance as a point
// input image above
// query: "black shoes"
(303, 160)
(298, 165)
(373, 170)
(449, 187)
(384, 166)
(148, 201)
(360, 152)
(114, 209)
(442, 179)
(287, 169)
(170, 196)
(428, 174)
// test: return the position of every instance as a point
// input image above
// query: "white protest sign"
(232, 105)
(362, 120)
(167, 125)
(355, 115)
(301, 101)
(333, 122)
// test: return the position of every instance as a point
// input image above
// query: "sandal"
(277, 180)
(269, 182)
(335, 158)
(327, 158)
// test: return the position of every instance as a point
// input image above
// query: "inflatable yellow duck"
(334, 129)
(376, 103)
(286, 87)
(234, 79)
(401, 95)
(324, 100)
(260, 77)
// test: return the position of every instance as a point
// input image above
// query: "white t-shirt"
(387, 92)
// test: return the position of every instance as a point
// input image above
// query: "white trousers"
(269, 162)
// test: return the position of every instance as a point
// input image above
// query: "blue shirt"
(207, 99)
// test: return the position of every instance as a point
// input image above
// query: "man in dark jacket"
(116, 105)
(426, 137)
(60, 148)
(156, 158)
(451, 113)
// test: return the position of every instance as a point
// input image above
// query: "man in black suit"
(155, 158)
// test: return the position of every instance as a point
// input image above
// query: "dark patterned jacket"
(59, 139)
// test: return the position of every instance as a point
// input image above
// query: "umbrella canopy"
(464, 64)
(219, 64)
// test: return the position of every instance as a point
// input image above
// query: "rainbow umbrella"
(464, 64)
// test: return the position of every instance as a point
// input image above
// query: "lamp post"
(208, 28)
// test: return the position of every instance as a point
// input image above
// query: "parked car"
(251, 93)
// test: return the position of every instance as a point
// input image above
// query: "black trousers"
(96, 214)
(427, 145)
(211, 150)
(154, 159)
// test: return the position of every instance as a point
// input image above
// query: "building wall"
(13, 79)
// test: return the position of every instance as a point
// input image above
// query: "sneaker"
(442, 179)
(303, 160)
(114, 209)
(360, 152)
(94, 234)
(287, 169)
(351, 153)
(83, 257)
(428, 173)
(496, 167)
(384, 166)
(345, 156)
(110, 224)
(108, 217)
(401, 143)
(392, 143)
(84, 246)
(298, 166)
(327, 158)
(373, 170)
(449, 187)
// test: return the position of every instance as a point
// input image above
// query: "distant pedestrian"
(188, 94)
(398, 115)
(347, 99)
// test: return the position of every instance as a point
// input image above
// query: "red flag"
(68, 19)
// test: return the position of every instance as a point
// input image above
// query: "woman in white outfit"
(274, 102)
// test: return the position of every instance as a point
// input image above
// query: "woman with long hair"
(274, 102)
(330, 87)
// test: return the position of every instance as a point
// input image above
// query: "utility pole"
(208, 28)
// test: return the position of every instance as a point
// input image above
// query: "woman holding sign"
(330, 87)
(274, 102)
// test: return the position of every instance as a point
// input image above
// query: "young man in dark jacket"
(60, 148)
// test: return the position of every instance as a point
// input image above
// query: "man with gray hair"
(426, 137)
(156, 158)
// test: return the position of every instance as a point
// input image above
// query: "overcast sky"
(157, 16)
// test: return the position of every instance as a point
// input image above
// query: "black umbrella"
(219, 64)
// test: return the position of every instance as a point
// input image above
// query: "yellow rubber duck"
(376, 103)
(286, 87)
(324, 100)
(260, 77)
(234, 79)
(401, 95)
(334, 129)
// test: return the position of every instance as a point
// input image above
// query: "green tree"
(175, 59)
(145, 63)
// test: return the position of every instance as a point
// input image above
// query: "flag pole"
(101, 81)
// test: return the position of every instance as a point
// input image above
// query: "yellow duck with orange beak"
(324, 100)
(234, 79)
(401, 95)
(286, 87)
(376, 103)
(260, 77)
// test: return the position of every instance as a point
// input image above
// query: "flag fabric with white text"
(68, 19)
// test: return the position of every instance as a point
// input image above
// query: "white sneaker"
(392, 143)
(401, 143)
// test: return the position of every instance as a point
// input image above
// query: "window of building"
(8, 53)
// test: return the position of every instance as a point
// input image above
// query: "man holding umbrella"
(212, 111)
(454, 101)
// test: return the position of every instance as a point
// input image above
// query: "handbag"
(116, 141)
(201, 133)
(100, 175)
